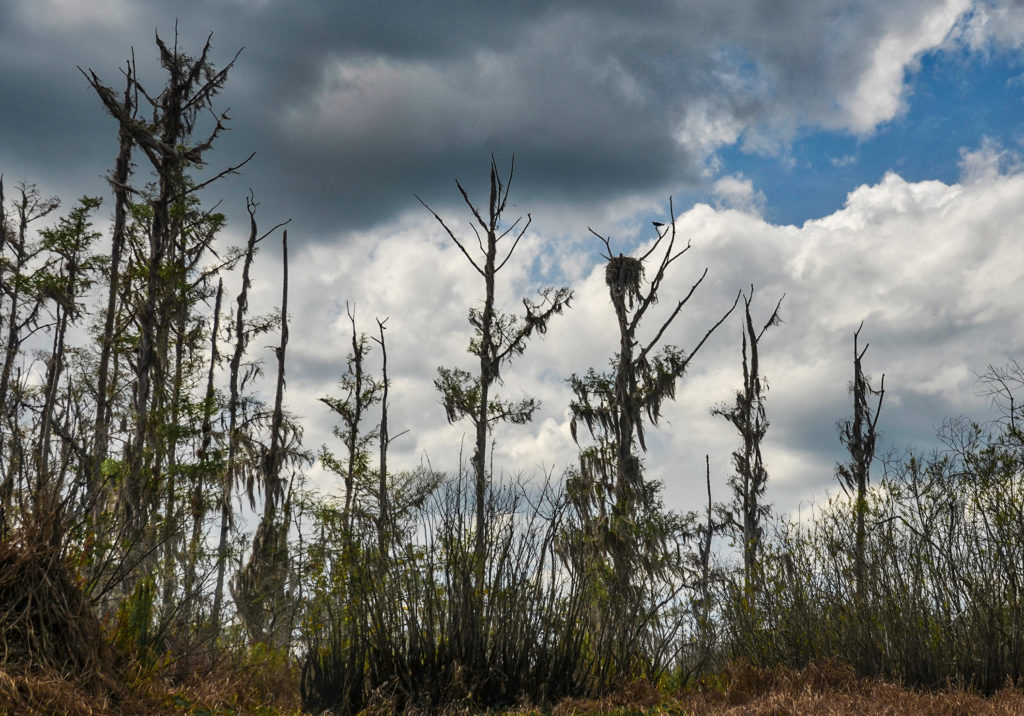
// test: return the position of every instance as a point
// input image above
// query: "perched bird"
(657, 224)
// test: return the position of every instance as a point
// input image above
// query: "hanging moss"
(623, 275)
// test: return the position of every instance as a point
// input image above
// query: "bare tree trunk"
(748, 416)
(627, 464)
(356, 406)
(859, 436)
(198, 507)
(273, 488)
(488, 370)
(383, 517)
(259, 587)
(170, 537)
(54, 370)
(119, 184)
(228, 481)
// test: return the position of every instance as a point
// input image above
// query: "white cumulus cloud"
(934, 270)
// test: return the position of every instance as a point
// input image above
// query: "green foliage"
(136, 630)
(944, 553)
(400, 624)
(466, 591)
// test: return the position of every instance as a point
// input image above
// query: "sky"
(863, 159)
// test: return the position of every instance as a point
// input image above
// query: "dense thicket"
(942, 568)
(152, 494)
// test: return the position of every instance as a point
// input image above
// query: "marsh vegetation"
(157, 533)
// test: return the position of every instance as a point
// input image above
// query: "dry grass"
(55, 657)
(48, 693)
(832, 689)
(821, 690)
(221, 692)
(255, 689)
(240, 684)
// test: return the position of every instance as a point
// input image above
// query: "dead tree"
(66, 275)
(858, 436)
(746, 513)
(384, 440)
(360, 392)
(166, 141)
(615, 501)
(20, 307)
(498, 338)
(122, 191)
(259, 588)
(197, 499)
(242, 333)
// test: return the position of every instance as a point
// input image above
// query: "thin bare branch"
(230, 170)
(529, 220)
(712, 329)
(451, 234)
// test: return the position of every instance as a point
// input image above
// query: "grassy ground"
(828, 689)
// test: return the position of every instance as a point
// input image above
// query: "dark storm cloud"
(353, 107)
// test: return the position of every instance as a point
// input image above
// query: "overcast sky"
(862, 158)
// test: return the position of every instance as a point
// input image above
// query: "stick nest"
(623, 275)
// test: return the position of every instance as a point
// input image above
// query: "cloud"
(737, 192)
(932, 269)
(992, 25)
(847, 160)
(987, 162)
(609, 107)
(64, 15)
(353, 109)
(879, 93)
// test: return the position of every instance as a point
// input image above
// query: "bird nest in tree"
(47, 625)
(623, 275)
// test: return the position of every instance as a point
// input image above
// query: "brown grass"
(245, 683)
(47, 624)
(833, 689)
(820, 690)
(48, 693)
(224, 691)
(257, 688)
(55, 657)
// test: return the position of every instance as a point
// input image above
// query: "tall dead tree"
(166, 141)
(66, 275)
(122, 192)
(207, 460)
(610, 490)
(259, 588)
(241, 333)
(746, 513)
(858, 436)
(20, 307)
(384, 440)
(498, 338)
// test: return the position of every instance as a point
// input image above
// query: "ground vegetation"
(161, 552)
